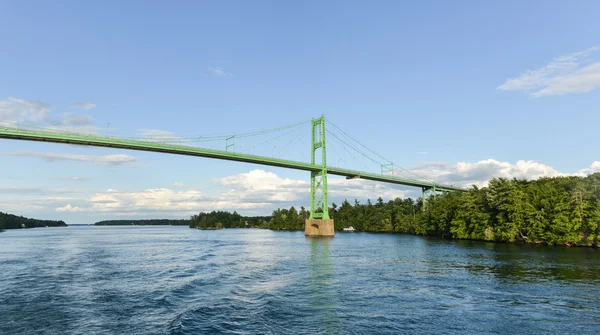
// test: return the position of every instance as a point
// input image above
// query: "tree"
(561, 210)
(222, 219)
(507, 202)
(471, 220)
(593, 224)
(292, 222)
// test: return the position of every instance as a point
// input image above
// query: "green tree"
(561, 210)
(471, 220)
(593, 224)
(292, 222)
(508, 205)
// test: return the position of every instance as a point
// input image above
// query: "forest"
(221, 219)
(553, 211)
(10, 221)
(151, 222)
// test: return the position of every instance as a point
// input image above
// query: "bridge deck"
(113, 142)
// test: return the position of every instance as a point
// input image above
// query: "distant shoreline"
(11, 221)
(150, 222)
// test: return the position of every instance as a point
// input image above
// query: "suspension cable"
(375, 153)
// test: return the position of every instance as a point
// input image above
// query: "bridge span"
(320, 223)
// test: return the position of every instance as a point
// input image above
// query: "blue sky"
(457, 91)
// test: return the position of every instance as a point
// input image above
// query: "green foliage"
(151, 222)
(288, 219)
(9, 221)
(221, 219)
(561, 210)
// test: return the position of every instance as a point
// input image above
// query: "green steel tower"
(319, 204)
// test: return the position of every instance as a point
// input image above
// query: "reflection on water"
(514, 262)
(322, 299)
(175, 280)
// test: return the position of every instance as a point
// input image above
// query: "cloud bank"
(464, 174)
(258, 192)
(19, 110)
(22, 113)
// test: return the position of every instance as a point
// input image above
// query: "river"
(176, 280)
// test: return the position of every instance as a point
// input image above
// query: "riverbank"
(11, 221)
(551, 211)
(151, 222)
(216, 219)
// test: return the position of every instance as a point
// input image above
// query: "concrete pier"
(319, 227)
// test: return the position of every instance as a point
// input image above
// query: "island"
(222, 219)
(148, 222)
(11, 221)
(206, 221)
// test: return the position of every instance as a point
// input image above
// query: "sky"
(459, 92)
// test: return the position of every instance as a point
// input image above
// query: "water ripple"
(175, 280)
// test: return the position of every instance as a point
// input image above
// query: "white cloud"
(69, 208)
(260, 186)
(341, 188)
(422, 153)
(23, 204)
(83, 105)
(163, 200)
(595, 167)
(572, 73)
(119, 159)
(18, 110)
(25, 114)
(581, 81)
(254, 193)
(464, 174)
(178, 185)
(258, 192)
(218, 71)
(20, 207)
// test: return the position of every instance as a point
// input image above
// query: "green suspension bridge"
(317, 164)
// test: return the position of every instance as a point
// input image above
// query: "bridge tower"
(319, 223)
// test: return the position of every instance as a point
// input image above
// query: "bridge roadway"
(115, 142)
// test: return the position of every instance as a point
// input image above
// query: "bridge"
(319, 223)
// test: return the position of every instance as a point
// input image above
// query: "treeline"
(221, 219)
(396, 216)
(560, 210)
(290, 219)
(10, 221)
(151, 222)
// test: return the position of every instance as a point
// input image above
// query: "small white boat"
(349, 229)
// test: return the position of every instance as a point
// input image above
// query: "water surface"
(176, 280)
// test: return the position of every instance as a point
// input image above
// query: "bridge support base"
(319, 227)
